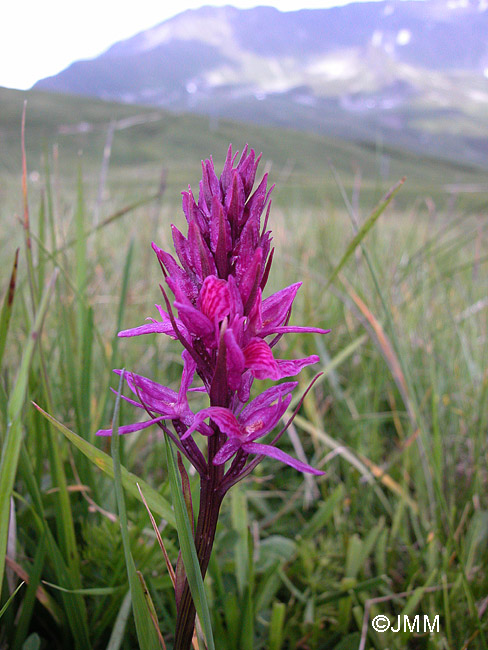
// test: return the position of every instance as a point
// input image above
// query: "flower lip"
(214, 298)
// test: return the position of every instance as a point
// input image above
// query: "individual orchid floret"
(164, 326)
(161, 401)
(257, 419)
(269, 315)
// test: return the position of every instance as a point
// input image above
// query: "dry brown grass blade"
(159, 538)
(41, 594)
(394, 413)
(385, 347)
(363, 465)
(26, 223)
(152, 610)
(93, 507)
(389, 482)
(169, 566)
(24, 179)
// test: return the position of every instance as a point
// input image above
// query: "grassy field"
(398, 525)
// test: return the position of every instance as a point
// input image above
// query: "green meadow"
(398, 421)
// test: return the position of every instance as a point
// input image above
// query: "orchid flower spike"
(226, 328)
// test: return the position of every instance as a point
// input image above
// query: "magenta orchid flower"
(257, 419)
(228, 332)
(160, 400)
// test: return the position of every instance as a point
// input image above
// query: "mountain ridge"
(398, 64)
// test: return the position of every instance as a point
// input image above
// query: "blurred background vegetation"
(398, 421)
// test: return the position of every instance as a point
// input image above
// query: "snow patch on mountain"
(340, 66)
(404, 37)
(213, 29)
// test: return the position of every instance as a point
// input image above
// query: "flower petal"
(159, 327)
(150, 328)
(255, 316)
(223, 418)
(234, 200)
(219, 228)
(129, 428)
(276, 307)
(189, 369)
(291, 368)
(196, 322)
(154, 396)
(266, 398)
(277, 454)
(259, 359)
(292, 328)
(244, 390)
(214, 298)
(182, 248)
(193, 212)
(227, 450)
(237, 308)
(235, 360)
(248, 275)
(227, 171)
(263, 420)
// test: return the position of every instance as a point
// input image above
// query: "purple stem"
(211, 495)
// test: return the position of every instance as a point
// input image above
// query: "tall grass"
(398, 420)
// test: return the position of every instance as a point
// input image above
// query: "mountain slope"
(388, 70)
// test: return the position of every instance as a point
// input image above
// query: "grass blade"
(5, 607)
(363, 231)
(169, 566)
(151, 608)
(93, 591)
(33, 592)
(323, 514)
(146, 633)
(102, 416)
(26, 220)
(118, 630)
(73, 604)
(13, 440)
(103, 461)
(188, 550)
(276, 626)
(8, 303)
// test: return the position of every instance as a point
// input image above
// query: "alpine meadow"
(367, 502)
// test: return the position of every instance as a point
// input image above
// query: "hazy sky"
(38, 38)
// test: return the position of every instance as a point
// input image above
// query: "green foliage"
(398, 421)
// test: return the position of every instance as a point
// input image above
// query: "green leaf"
(33, 642)
(5, 607)
(118, 630)
(188, 550)
(146, 632)
(13, 440)
(8, 303)
(276, 626)
(323, 514)
(94, 591)
(156, 502)
(363, 231)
